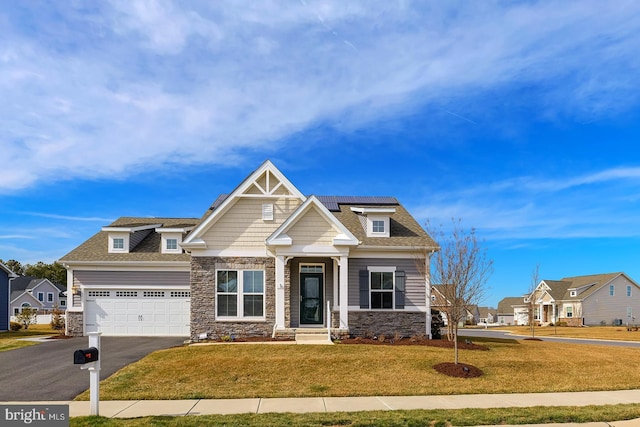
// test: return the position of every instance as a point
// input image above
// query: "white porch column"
(344, 292)
(280, 265)
(336, 279)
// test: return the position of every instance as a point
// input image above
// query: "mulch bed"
(59, 337)
(460, 370)
(443, 343)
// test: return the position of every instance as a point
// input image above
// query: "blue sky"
(520, 118)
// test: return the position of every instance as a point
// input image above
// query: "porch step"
(312, 336)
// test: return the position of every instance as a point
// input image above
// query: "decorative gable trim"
(344, 237)
(265, 182)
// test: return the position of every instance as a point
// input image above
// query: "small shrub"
(15, 326)
(562, 324)
(382, 338)
(603, 323)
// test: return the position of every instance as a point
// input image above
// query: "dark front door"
(311, 298)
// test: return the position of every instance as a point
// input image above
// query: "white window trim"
(165, 237)
(384, 219)
(568, 311)
(385, 269)
(125, 243)
(50, 294)
(239, 295)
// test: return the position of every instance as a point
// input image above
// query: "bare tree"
(462, 268)
(531, 301)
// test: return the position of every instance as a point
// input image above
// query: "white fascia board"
(235, 194)
(130, 229)
(345, 237)
(281, 240)
(193, 244)
(249, 253)
(129, 265)
(175, 229)
(377, 210)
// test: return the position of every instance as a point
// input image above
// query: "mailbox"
(80, 357)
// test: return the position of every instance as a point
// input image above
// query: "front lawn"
(258, 370)
(619, 333)
(10, 340)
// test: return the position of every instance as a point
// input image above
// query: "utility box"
(81, 357)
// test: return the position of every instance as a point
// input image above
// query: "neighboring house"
(262, 260)
(507, 308)
(5, 275)
(487, 315)
(440, 302)
(599, 299)
(41, 294)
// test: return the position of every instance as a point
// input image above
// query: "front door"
(311, 298)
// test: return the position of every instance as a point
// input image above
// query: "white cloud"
(590, 206)
(131, 86)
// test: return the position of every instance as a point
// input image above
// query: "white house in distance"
(597, 299)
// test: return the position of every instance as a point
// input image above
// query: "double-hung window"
(41, 296)
(612, 290)
(240, 294)
(569, 311)
(628, 290)
(49, 296)
(382, 289)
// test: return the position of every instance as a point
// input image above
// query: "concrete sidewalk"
(141, 408)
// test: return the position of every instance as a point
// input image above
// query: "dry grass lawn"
(259, 370)
(10, 340)
(618, 333)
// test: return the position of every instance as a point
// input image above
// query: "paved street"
(507, 335)
(46, 371)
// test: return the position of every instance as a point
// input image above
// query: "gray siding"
(137, 237)
(415, 294)
(294, 265)
(4, 300)
(600, 306)
(131, 278)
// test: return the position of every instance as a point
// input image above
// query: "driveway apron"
(46, 371)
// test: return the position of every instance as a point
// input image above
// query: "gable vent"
(267, 212)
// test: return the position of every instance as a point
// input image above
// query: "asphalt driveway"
(46, 371)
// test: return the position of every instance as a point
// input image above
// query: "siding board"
(415, 292)
(109, 279)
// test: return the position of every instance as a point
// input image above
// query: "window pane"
(253, 282)
(227, 281)
(382, 300)
(253, 305)
(387, 300)
(378, 226)
(387, 281)
(172, 244)
(376, 280)
(118, 243)
(227, 305)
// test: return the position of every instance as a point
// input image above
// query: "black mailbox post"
(81, 357)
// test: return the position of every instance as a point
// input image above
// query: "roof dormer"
(377, 221)
(122, 239)
(171, 238)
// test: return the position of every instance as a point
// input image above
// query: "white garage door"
(141, 312)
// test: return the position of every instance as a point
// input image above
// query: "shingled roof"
(148, 249)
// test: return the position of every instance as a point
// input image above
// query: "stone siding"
(74, 323)
(571, 321)
(406, 324)
(203, 293)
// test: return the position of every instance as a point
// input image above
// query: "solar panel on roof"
(333, 202)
